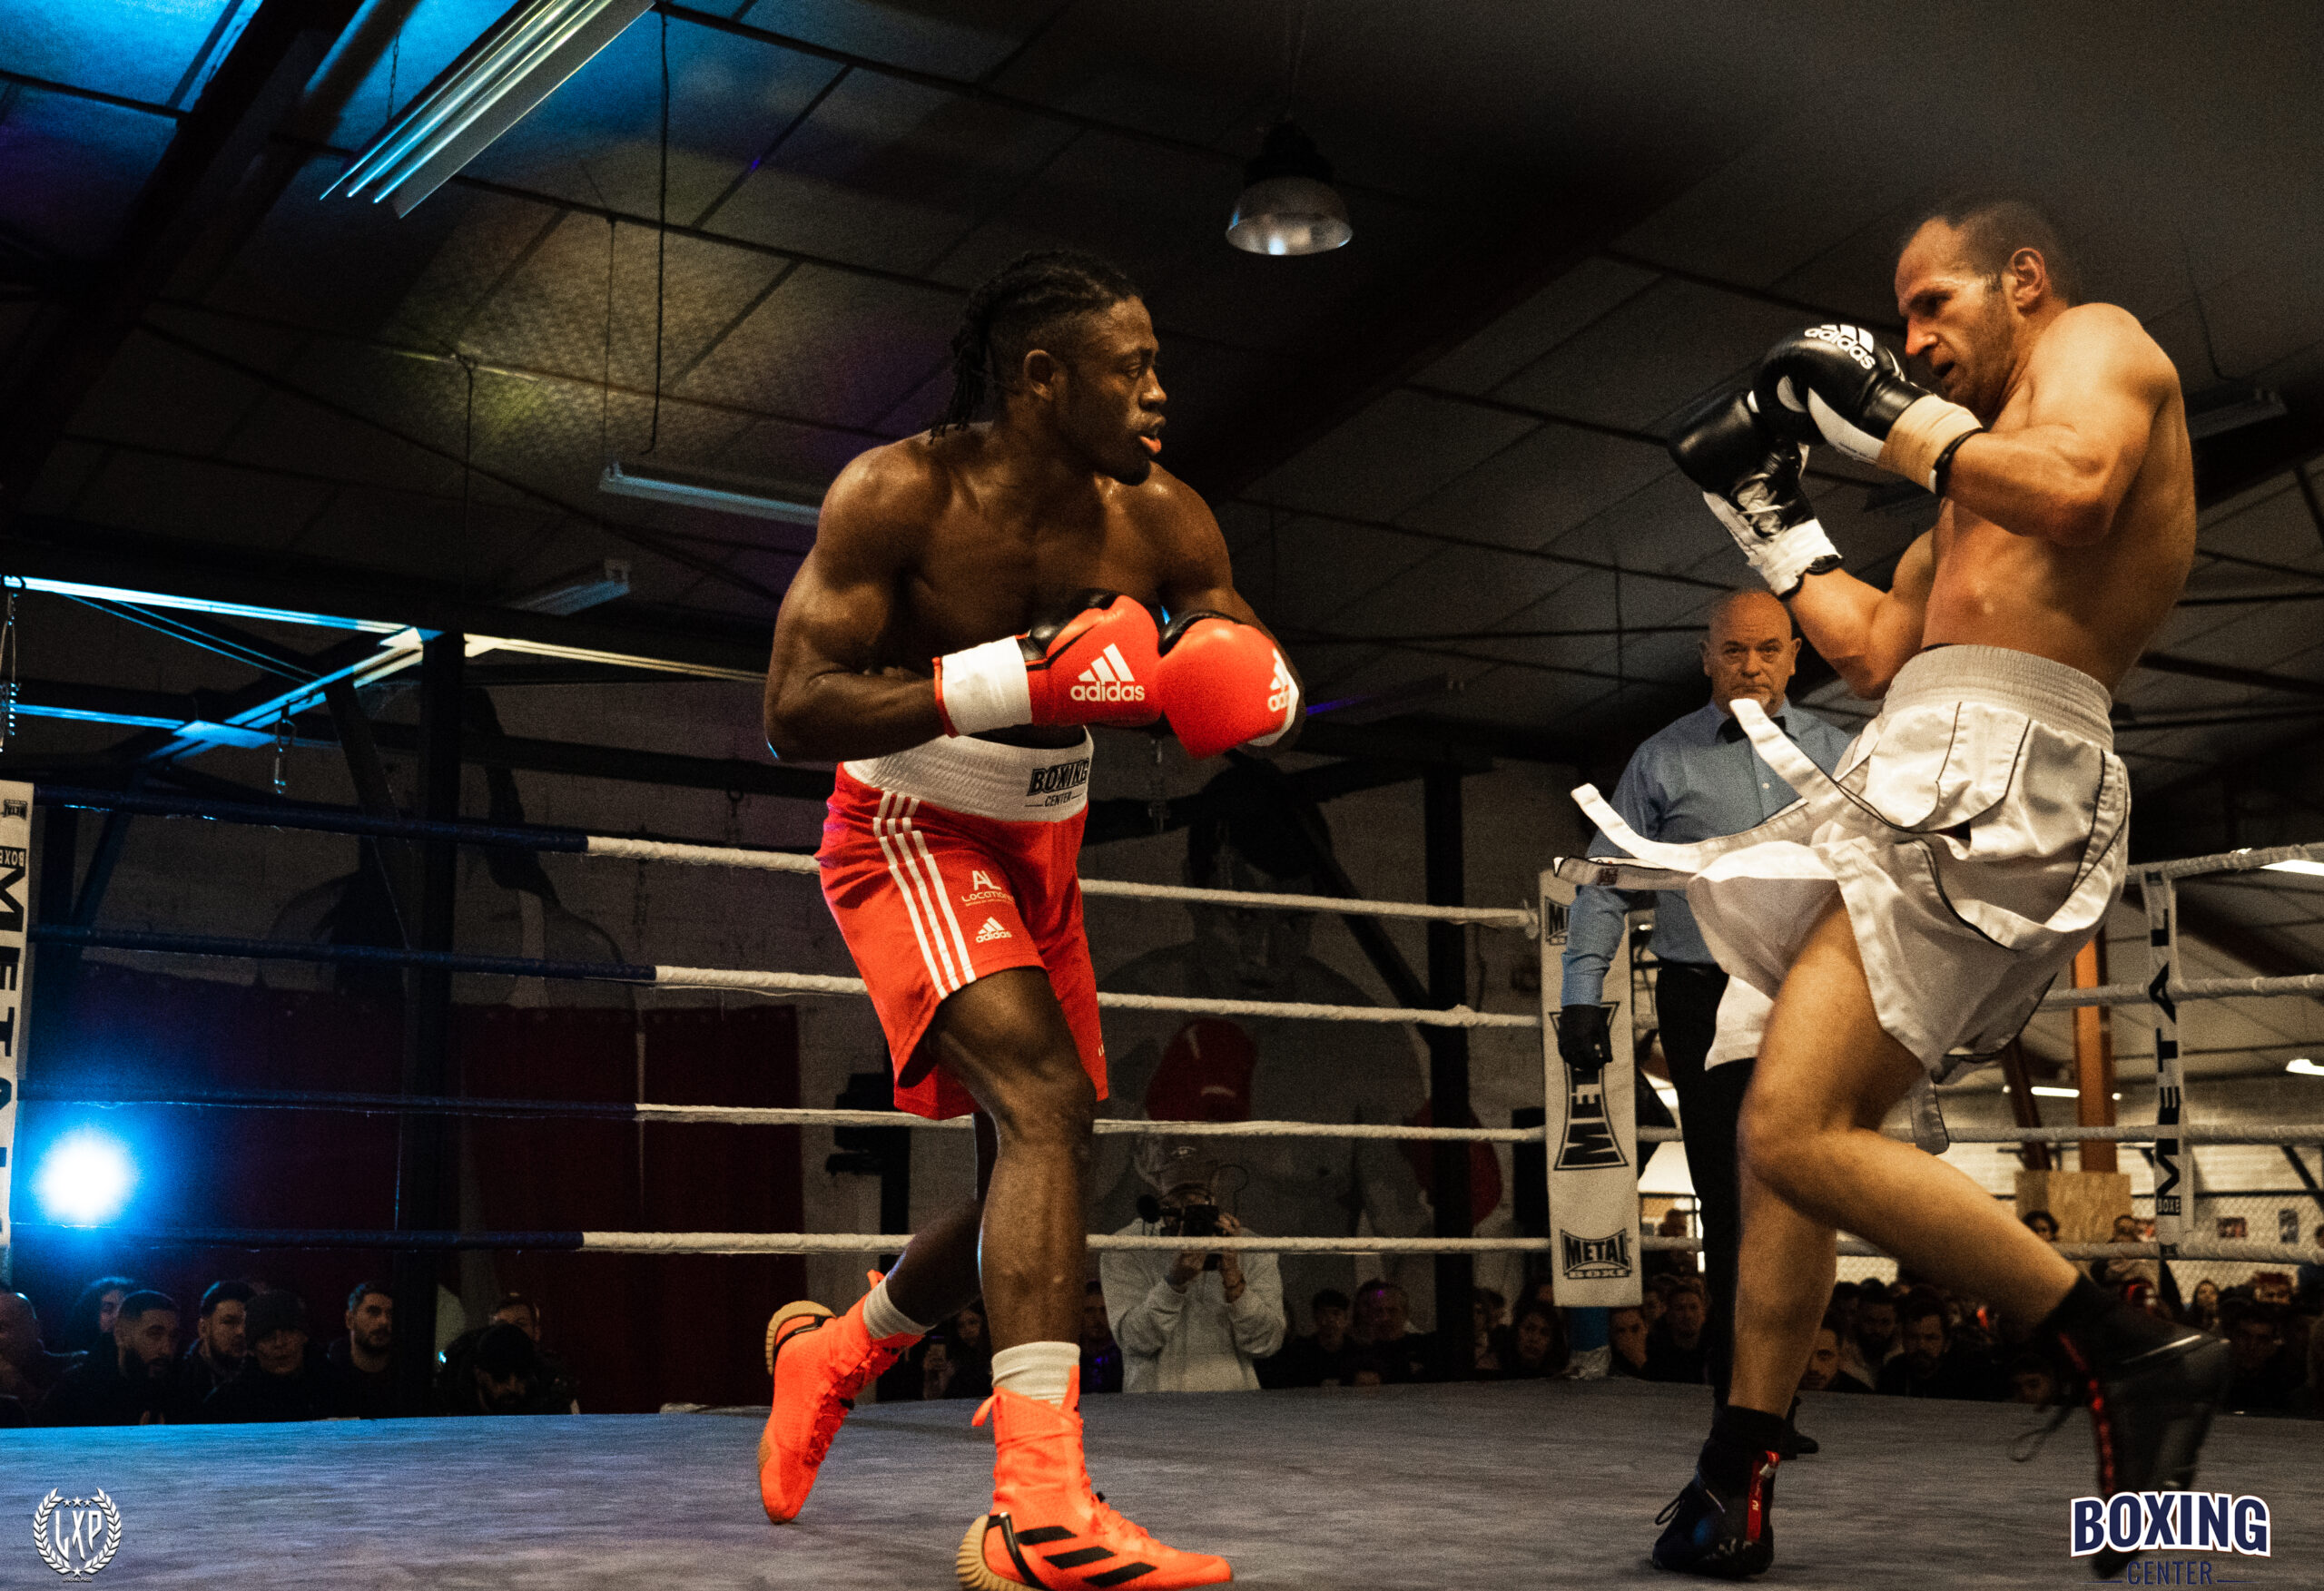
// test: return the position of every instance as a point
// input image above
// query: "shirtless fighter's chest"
(978, 578)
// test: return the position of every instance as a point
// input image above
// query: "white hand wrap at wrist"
(1920, 437)
(1784, 559)
(984, 688)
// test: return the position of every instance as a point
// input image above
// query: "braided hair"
(1012, 313)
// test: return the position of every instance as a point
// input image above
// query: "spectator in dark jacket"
(361, 1364)
(281, 1382)
(1325, 1356)
(1538, 1348)
(126, 1379)
(2267, 1374)
(1826, 1372)
(1932, 1364)
(1675, 1349)
(1627, 1335)
(1386, 1352)
(498, 1369)
(91, 1318)
(29, 1372)
(220, 1346)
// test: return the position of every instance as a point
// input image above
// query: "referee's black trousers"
(1710, 1101)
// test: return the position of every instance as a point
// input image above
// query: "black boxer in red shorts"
(977, 596)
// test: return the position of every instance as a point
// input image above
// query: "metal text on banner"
(15, 915)
(1592, 1130)
(2170, 1069)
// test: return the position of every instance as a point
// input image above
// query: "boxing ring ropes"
(2163, 992)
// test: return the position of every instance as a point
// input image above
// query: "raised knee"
(1048, 1107)
(1775, 1145)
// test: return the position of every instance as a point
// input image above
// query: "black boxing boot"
(1797, 1443)
(2152, 1388)
(1722, 1524)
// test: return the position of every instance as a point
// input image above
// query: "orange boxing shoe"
(1048, 1528)
(829, 1360)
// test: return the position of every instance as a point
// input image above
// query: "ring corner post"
(427, 1019)
(1448, 1071)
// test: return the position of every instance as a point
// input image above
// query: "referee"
(1698, 779)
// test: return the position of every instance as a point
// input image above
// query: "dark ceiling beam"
(1746, 290)
(637, 536)
(982, 91)
(57, 549)
(1383, 340)
(2227, 673)
(188, 200)
(1479, 543)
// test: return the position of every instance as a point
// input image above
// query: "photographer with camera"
(1194, 1321)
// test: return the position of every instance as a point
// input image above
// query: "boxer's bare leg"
(1005, 1039)
(1827, 1074)
(937, 1273)
(1789, 1262)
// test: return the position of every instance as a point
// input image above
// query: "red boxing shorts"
(953, 862)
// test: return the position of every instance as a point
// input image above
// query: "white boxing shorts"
(1977, 830)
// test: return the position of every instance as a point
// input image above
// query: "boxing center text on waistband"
(1009, 784)
(2051, 693)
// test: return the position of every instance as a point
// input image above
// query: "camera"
(1195, 1220)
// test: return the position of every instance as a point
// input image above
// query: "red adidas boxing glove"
(1095, 662)
(1223, 683)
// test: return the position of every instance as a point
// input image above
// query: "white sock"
(883, 1320)
(1037, 1369)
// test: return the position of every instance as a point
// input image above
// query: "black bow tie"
(1731, 731)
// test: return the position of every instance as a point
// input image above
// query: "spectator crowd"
(247, 1354)
(1154, 1320)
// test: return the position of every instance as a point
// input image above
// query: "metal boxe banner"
(1593, 1145)
(16, 917)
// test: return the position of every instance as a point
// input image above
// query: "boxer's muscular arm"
(1196, 572)
(827, 696)
(2093, 386)
(1866, 633)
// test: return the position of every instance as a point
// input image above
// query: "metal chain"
(281, 745)
(8, 668)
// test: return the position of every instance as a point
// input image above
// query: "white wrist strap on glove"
(1285, 699)
(985, 688)
(1784, 559)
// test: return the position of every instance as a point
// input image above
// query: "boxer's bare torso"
(2068, 528)
(934, 543)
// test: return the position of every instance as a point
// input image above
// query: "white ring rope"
(2192, 989)
(877, 1242)
(808, 983)
(1136, 1126)
(1519, 918)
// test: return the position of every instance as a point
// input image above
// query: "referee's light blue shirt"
(1699, 779)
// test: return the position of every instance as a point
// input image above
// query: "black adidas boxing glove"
(1751, 481)
(1836, 384)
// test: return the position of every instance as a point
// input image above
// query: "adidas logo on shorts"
(1108, 679)
(992, 930)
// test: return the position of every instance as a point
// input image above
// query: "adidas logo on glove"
(1852, 341)
(1108, 680)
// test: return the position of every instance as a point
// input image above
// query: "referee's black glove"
(1583, 1043)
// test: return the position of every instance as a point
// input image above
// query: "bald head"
(1750, 650)
(19, 1330)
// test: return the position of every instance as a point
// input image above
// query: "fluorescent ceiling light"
(2304, 1067)
(2314, 870)
(516, 66)
(2045, 1091)
(588, 587)
(713, 488)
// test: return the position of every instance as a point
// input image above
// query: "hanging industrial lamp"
(1288, 205)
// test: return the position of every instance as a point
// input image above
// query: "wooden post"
(2093, 1057)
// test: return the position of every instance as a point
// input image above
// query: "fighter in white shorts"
(1920, 901)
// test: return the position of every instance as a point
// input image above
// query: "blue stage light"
(86, 1178)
